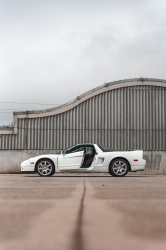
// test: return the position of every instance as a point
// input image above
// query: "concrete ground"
(82, 212)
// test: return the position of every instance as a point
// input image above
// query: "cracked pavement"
(82, 212)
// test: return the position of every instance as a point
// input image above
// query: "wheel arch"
(44, 158)
(120, 157)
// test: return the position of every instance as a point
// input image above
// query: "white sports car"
(87, 157)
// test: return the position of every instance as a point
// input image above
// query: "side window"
(89, 150)
(76, 149)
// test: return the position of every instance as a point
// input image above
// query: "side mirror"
(63, 152)
(96, 153)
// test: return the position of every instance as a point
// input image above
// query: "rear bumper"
(139, 167)
(27, 166)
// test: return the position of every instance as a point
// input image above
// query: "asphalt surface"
(82, 212)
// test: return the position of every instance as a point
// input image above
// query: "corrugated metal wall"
(123, 119)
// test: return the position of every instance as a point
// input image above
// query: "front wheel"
(119, 167)
(45, 167)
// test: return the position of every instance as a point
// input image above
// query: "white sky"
(52, 51)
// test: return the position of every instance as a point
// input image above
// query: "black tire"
(119, 167)
(45, 167)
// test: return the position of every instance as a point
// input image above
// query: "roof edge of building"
(89, 92)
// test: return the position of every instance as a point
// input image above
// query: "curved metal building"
(124, 115)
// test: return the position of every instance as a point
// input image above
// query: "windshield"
(105, 149)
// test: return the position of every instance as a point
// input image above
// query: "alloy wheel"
(44, 168)
(119, 168)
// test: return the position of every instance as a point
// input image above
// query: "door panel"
(70, 161)
(93, 162)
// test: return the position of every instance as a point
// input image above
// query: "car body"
(86, 157)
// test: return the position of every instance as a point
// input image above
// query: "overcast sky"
(52, 51)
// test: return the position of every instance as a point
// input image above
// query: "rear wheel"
(119, 167)
(45, 167)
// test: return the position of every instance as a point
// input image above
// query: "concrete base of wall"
(155, 162)
(10, 160)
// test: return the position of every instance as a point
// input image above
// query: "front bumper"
(27, 166)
